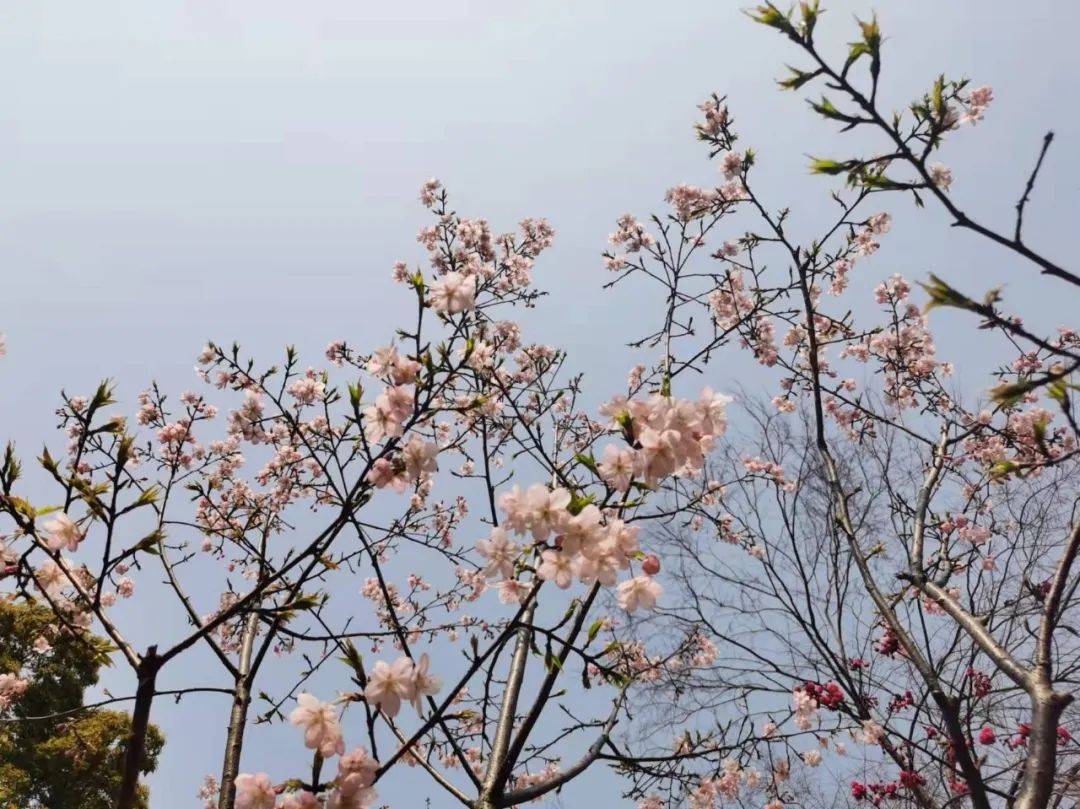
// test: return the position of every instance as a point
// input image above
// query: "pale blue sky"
(175, 171)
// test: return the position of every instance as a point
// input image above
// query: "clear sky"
(176, 171)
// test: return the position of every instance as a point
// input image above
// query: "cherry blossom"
(558, 567)
(255, 791)
(423, 682)
(62, 533)
(639, 593)
(319, 721)
(389, 684)
(500, 553)
(453, 293)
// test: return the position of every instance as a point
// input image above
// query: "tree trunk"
(234, 740)
(1041, 765)
(140, 720)
(492, 787)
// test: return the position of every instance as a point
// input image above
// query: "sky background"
(177, 171)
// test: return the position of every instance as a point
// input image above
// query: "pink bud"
(651, 565)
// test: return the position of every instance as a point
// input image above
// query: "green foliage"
(74, 758)
(770, 15)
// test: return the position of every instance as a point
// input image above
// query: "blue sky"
(177, 171)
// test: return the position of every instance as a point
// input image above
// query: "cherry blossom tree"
(460, 384)
(908, 571)
(874, 567)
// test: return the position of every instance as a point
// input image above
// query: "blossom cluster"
(12, 687)
(404, 679)
(585, 545)
(667, 436)
(357, 770)
(725, 787)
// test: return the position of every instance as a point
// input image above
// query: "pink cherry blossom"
(545, 509)
(419, 457)
(384, 473)
(514, 505)
(429, 192)
(356, 774)
(639, 592)
(359, 763)
(453, 293)
(617, 467)
(300, 800)
(558, 567)
(389, 684)
(500, 553)
(12, 687)
(424, 683)
(582, 532)
(941, 176)
(320, 723)
(62, 533)
(631, 235)
(870, 733)
(307, 389)
(512, 591)
(255, 791)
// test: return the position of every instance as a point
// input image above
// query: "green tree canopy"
(69, 758)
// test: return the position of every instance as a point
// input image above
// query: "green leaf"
(856, 52)
(551, 662)
(798, 78)
(11, 468)
(941, 294)
(149, 543)
(353, 658)
(1002, 469)
(877, 180)
(771, 16)
(1059, 392)
(871, 32)
(22, 506)
(594, 630)
(832, 167)
(587, 460)
(103, 397)
(827, 109)
(49, 463)
(356, 393)
(938, 98)
(578, 503)
(810, 13)
(148, 496)
(1009, 394)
